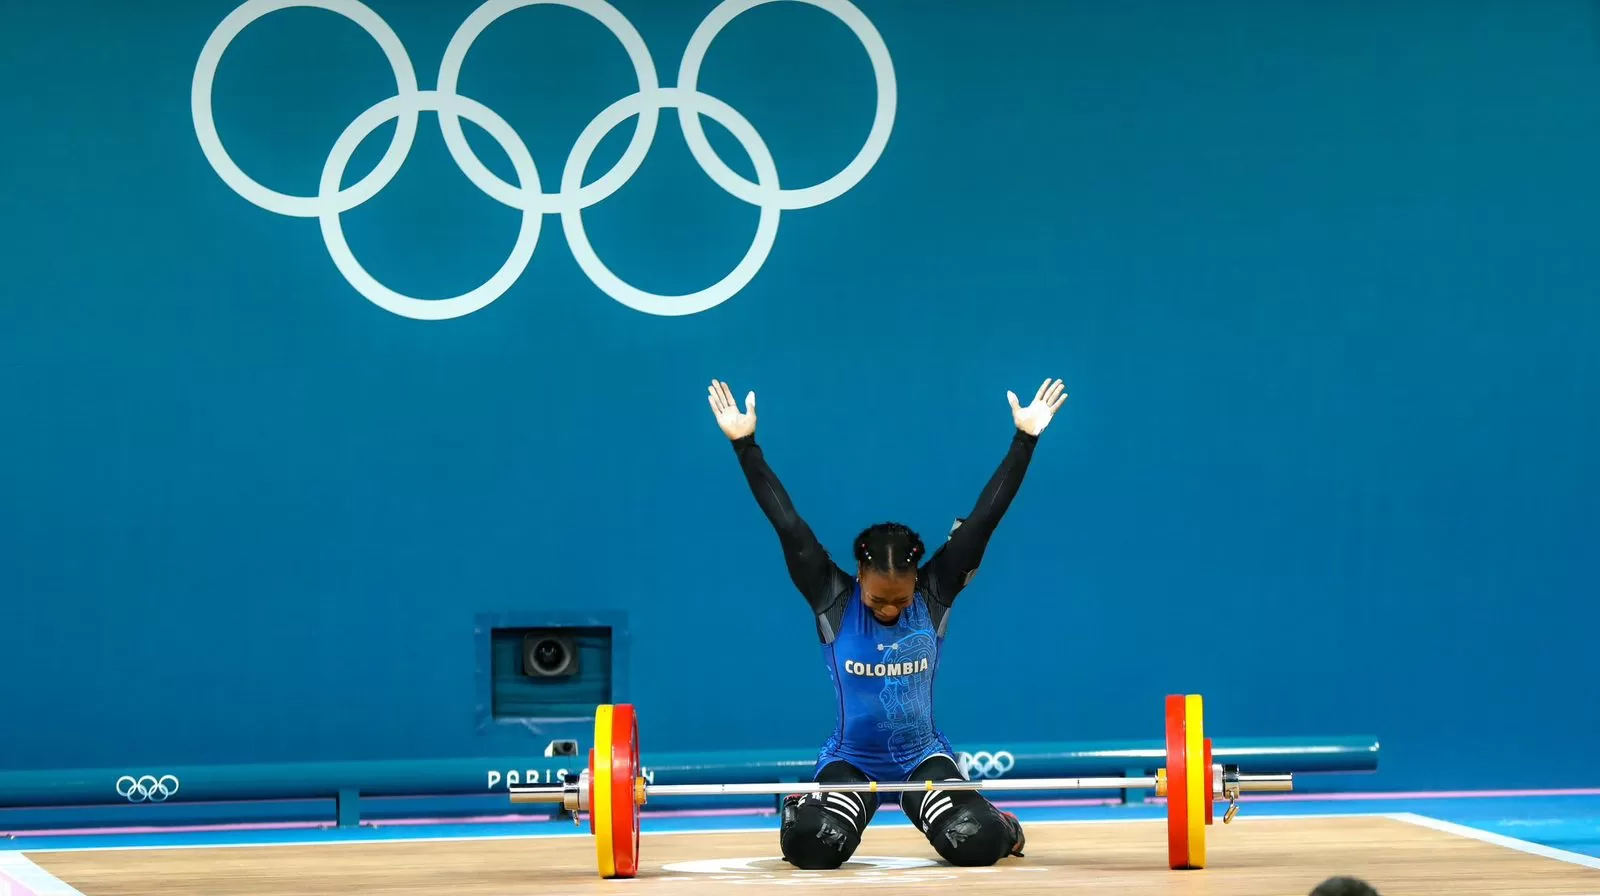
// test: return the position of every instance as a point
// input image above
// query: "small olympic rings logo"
(146, 788)
(984, 764)
(527, 196)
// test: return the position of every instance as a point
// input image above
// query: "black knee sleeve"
(975, 834)
(964, 828)
(820, 831)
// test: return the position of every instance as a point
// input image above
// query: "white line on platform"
(1461, 830)
(16, 868)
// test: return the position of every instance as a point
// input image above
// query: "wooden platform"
(1252, 857)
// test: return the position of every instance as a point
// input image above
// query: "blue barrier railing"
(347, 782)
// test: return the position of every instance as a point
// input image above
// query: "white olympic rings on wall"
(984, 764)
(528, 196)
(146, 788)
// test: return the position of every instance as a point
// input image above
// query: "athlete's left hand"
(1036, 416)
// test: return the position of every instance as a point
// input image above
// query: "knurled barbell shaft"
(555, 793)
(899, 786)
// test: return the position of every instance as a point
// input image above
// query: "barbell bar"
(612, 789)
(574, 798)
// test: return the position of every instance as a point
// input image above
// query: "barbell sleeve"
(1266, 783)
(538, 793)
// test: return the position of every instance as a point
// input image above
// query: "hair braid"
(889, 548)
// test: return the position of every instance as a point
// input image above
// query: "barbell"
(611, 789)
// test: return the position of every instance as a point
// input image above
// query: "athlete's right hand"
(735, 425)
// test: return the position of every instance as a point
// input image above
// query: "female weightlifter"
(881, 631)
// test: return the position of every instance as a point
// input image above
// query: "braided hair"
(889, 548)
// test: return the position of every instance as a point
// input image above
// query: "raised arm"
(952, 566)
(810, 568)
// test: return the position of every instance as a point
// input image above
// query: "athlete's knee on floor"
(974, 834)
(820, 832)
(964, 828)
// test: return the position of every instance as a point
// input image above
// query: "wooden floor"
(1251, 857)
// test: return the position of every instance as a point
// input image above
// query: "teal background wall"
(1323, 281)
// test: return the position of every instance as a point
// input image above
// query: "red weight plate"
(1177, 784)
(624, 795)
(590, 809)
(1211, 800)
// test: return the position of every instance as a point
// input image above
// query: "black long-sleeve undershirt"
(819, 579)
(952, 565)
(826, 587)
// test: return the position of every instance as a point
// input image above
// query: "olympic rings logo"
(984, 764)
(527, 196)
(147, 788)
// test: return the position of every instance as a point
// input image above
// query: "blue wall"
(1323, 280)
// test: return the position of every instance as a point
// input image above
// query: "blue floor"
(1568, 823)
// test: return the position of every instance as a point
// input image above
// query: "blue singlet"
(883, 678)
